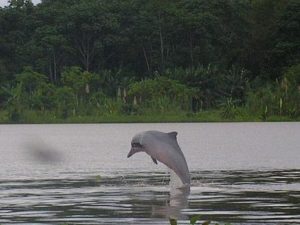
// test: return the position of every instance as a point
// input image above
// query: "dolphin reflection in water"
(162, 147)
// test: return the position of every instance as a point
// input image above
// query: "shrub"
(161, 91)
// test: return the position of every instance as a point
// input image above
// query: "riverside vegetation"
(149, 61)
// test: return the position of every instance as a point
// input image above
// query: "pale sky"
(4, 2)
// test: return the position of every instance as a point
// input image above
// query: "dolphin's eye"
(136, 145)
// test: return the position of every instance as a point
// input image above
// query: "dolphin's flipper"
(154, 160)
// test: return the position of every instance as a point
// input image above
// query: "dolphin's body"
(164, 148)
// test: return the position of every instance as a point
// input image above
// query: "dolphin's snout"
(131, 152)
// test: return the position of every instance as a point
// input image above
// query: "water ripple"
(239, 197)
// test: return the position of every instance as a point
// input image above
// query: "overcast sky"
(4, 2)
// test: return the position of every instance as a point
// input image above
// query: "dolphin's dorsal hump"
(173, 135)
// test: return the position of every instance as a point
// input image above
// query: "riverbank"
(36, 117)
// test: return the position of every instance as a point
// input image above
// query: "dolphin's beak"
(135, 147)
(131, 152)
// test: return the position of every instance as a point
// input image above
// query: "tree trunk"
(50, 72)
(161, 43)
(54, 67)
(86, 49)
(146, 59)
(191, 50)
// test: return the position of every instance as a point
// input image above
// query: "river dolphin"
(162, 147)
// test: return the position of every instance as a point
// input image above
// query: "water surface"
(243, 173)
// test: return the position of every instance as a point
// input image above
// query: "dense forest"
(81, 59)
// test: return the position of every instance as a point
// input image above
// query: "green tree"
(90, 29)
(285, 51)
(264, 20)
(78, 81)
(16, 30)
(30, 92)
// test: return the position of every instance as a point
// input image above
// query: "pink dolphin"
(164, 148)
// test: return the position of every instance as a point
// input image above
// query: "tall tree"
(285, 50)
(264, 19)
(89, 28)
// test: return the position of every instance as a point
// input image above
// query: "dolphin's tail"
(175, 181)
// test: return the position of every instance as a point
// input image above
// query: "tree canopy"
(211, 50)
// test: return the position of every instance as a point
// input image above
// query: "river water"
(242, 173)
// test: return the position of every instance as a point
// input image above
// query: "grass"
(38, 117)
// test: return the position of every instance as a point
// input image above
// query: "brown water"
(242, 173)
